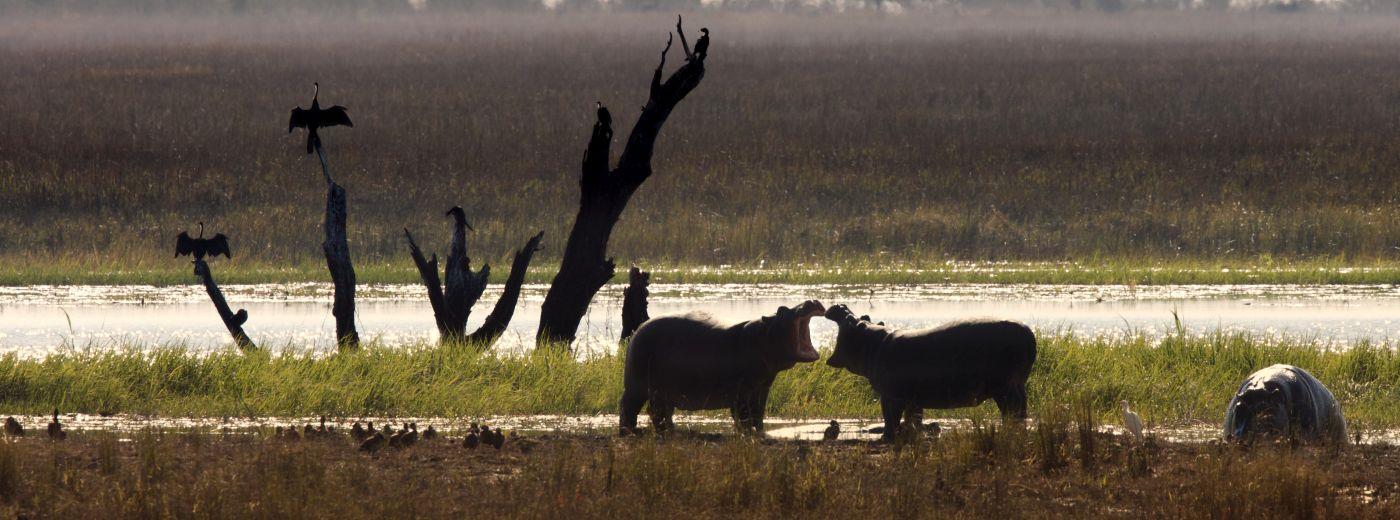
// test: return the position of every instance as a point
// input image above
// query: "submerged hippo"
(1284, 401)
(952, 366)
(692, 362)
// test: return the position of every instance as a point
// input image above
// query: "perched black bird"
(13, 428)
(459, 216)
(702, 45)
(317, 118)
(832, 432)
(604, 117)
(199, 247)
(56, 432)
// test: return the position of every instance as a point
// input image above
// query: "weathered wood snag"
(604, 193)
(232, 320)
(452, 302)
(337, 251)
(634, 301)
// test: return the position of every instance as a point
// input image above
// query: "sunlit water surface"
(39, 320)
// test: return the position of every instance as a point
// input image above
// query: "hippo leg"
(661, 413)
(1012, 402)
(627, 411)
(891, 409)
(748, 410)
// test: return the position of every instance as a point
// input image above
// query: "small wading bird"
(199, 247)
(373, 444)
(316, 117)
(13, 428)
(1132, 422)
(357, 432)
(430, 433)
(56, 432)
(832, 432)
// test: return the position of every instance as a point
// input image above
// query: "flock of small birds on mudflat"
(370, 440)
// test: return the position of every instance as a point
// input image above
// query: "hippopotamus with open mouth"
(1286, 402)
(956, 365)
(693, 362)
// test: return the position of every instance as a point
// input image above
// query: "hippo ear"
(865, 317)
(784, 312)
(882, 324)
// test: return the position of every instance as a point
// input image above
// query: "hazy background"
(864, 136)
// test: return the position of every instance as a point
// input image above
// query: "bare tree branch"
(500, 316)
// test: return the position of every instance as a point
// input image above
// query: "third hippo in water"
(1287, 402)
(692, 362)
(952, 366)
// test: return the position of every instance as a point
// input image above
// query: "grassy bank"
(1178, 379)
(1051, 471)
(22, 272)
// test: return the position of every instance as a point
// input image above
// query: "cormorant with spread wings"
(316, 117)
(199, 247)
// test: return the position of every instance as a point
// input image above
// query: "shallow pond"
(38, 320)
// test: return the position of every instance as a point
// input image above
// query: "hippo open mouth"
(805, 352)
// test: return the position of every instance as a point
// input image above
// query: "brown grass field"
(827, 140)
(1041, 472)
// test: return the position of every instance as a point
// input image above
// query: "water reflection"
(38, 320)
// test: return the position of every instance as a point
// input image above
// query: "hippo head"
(1259, 412)
(788, 333)
(853, 336)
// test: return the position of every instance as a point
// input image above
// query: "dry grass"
(821, 140)
(982, 472)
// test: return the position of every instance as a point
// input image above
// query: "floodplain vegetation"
(830, 142)
(1056, 468)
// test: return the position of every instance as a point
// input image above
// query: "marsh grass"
(1182, 378)
(834, 141)
(986, 471)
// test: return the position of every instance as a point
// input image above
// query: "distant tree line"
(799, 6)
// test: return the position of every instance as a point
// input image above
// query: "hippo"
(1284, 401)
(693, 362)
(956, 365)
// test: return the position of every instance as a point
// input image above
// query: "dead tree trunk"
(604, 194)
(452, 302)
(233, 320)
(634, 301)
(337, 251)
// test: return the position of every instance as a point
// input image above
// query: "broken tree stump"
(452, 301)
(634, 301)
(233, 320)
(604, 194)
(337, 250)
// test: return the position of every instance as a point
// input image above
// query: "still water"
(38, 320)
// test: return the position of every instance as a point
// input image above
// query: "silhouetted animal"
(693, 362)
(459, 216)
(471, 441)
(314, 118)
(496, 439)
(604, 117)
(430, 433)
(702, 45)
(373, 443)
(357, 432)
(1284, 401)
(388, 430)
(832, 431)
(56, 432)
(199, 247)
(13, 428)
(952, 366)
(411, 436)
